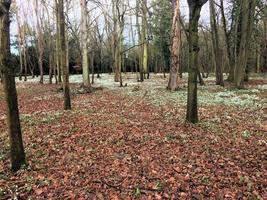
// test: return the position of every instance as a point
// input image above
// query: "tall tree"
(144, 38)
(264, 42)
(235, 34)
(63, 55)
(194, 15)
(116, 40)
(226, 35)
(40, 41)
(247, 22)
(175, 48)
(84, 37)
(58, 60)
(217, 53)
(162, 29)
(118, 18)
(140, 48)
(16, 145)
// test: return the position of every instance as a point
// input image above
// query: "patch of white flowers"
(240, 98)
(231, 98)
(154, 90)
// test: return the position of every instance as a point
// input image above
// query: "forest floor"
(133, 142)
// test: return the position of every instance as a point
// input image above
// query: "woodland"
(133, 99)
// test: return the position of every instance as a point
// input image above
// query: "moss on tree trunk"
(194, 15)
(16, 145)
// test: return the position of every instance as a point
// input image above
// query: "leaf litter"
(125, 144)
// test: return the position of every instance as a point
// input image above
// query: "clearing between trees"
(133, 142)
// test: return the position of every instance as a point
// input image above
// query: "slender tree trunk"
(20, 46)
(55, 66)
(99, 68)
(93, 68)
(22, 51)
(20, 62)
(84, 34)
(16, 145)
(175, 49)
(140, 48)
(236, 15)
(63, 56)
(226, 36)
(194, 15)
(50, 67)
(40, 39)
(58, 59)
(144, 35)
(215, 45)
(264, 43)
(258, 57)
(50, 57)
(116, 41)
(247, 12)
(120, 55)
(134, 43)
(25, 63)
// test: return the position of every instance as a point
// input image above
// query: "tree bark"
(40, 41)
(236, 17)
(92, 68)
(84, 35)
(247, 12)
(13, 122)
(115, 41)
(226, 36)
(194, 15)
(175, 48)
(144, 35)
(264, 43)
(63, 57)
(58, 59)
(140, 48)
(215, 45)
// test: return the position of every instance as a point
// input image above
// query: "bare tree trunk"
(25, 63)
(55, 60)
(226, 35)
(63, 56)
(134, 43)
(50, 68)
(50, 45)
(194, 14)
(58, 59)
(84, 35)
(215, 45)
(22, 48)
(144, 35)
(115, 42)
(247, 11)
(236, 15)
(140, 48)
(175, 49)
(16, 145)
(20, 62)
(93, 68)
(264, 43)
(40, 42)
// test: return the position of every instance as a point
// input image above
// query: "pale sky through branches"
(27, 7)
